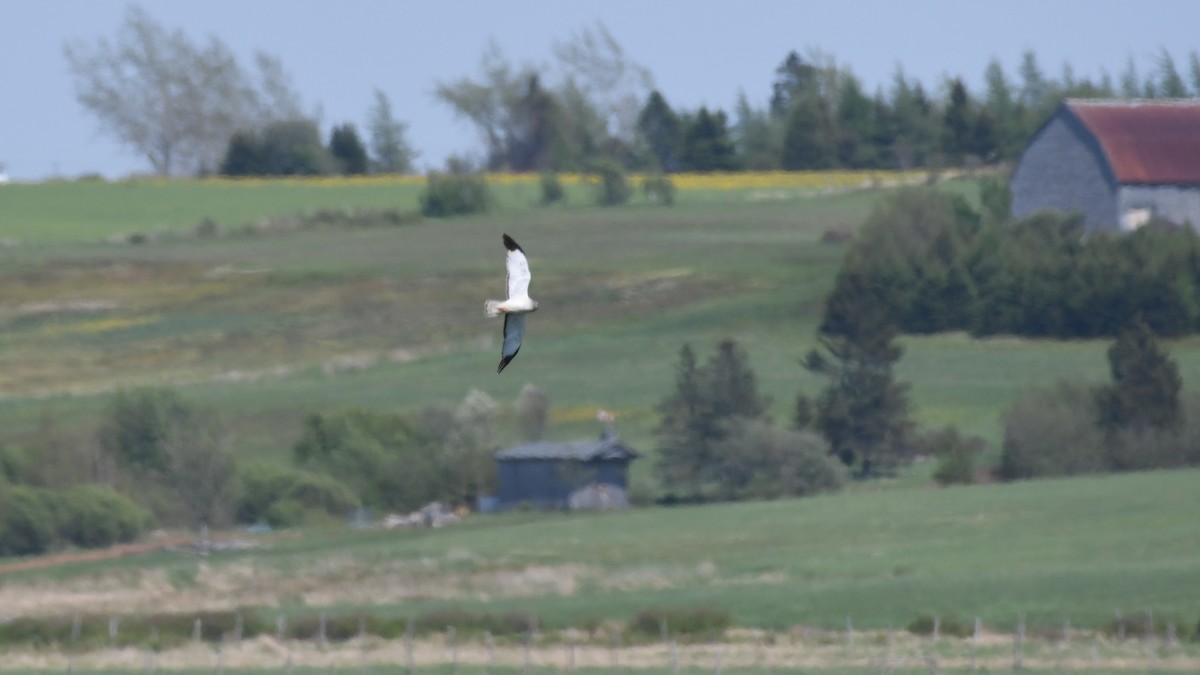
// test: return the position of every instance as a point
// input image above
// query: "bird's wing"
(514, 330)
(518, 269)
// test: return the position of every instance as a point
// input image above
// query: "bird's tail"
(491, 308)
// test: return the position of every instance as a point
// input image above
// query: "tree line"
(937, 265)
(194, 109)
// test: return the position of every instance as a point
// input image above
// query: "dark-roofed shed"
(546, 474)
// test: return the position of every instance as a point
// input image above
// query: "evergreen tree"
(706, 143)
(348, 150)
(243, 156)
(793, 77)
(956, 123)
(659, 128)
(535, 130)
(805, 140)
(1170, 82)
(864, 411)
(855, 126)
(698, 415)
(1146, 383)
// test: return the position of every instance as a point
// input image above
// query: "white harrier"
(516, 306)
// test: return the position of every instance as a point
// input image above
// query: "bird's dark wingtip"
(512, 245)
(505, 361)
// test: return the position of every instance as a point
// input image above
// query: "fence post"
(239, 626)
(937, 627)
(975, 643)
(1066, 639)
(362, 644)
(1172, 640)
(1019, 642)
(408, 644)
(615, 648)
(453, 644)
(528, 654)
(570, 650)
(114, 626)
(280, 627)
(849, 632)
(220, 668)
(1148, 625)
(321, 630)
(491, 650)
(1120, 626)
(197, 630)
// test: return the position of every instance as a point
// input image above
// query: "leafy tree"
(390, 151)
(706, 143)
(863, 412)
(293, 148)
(660, 129)
(533, 409)
(171, 100)
(347, 150)
(1146, 383)
(172, 454)
(912, 114)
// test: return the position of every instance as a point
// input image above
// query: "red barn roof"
(1155, 142)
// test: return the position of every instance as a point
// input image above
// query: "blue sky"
(699, 52)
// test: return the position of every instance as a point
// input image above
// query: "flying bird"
(516, 306)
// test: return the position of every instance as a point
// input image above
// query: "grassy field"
(280, 315)
(269, 324)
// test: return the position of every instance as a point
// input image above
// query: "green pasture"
(1074, 550)
(271, 324)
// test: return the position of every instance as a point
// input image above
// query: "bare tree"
(533, 410)
(615, 85)
(390, 151)
(489, 102)
(172, 100)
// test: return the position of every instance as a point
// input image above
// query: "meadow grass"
(268, 326)
(1053, 550)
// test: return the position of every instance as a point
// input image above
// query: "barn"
(1118, 163)
(590, 473)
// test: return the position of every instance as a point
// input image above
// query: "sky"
(700, 52)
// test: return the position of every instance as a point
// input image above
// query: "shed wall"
(1178, 204)
(1062, 170)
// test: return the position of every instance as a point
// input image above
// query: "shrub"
(923, 625)
(27, 523)
(454, 194)
(699, 624)
(613, 186)
(94, 516)
(283, 496)
(659, 190)
(957, 454)
(552, 189)
(1052, 432)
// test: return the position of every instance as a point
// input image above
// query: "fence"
(485, 643)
